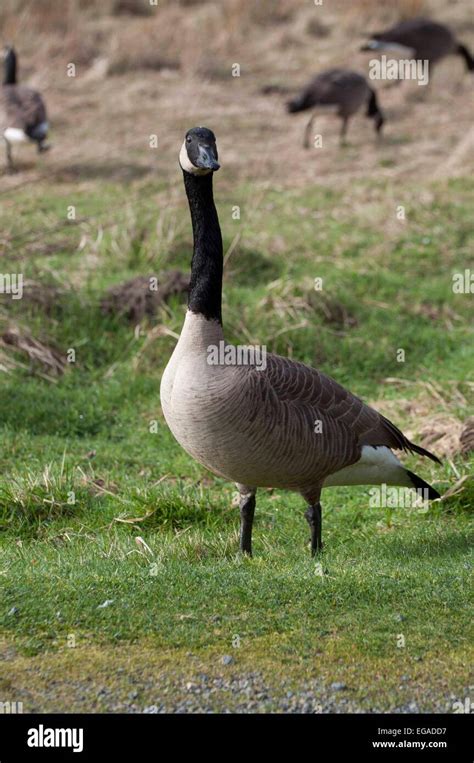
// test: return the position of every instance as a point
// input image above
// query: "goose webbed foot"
(314, 519)
(247, 511)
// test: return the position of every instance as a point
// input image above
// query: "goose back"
(22, 108)
(343, 89)
(427, 39)
(286, 426)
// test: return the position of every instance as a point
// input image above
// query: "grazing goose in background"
(342, 89)
(281, 424)
(22, 111)
(421, 39)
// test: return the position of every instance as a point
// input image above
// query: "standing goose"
(421, 39)
(286, 425)
(343, 89)
(22, 111)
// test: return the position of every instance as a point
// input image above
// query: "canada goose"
(342, 89)
(421, 39)
(286, 425)
(22, 111)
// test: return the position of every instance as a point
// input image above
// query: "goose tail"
(423, 488)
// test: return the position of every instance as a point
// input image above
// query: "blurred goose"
(421, 39)
(22, 111)
(281, 424)
(342, 89)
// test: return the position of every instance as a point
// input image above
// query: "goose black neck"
(469, 60)
(205, 288)
(9, 77)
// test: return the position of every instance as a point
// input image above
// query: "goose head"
(198, 154)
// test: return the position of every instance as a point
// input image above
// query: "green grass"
(78, 457)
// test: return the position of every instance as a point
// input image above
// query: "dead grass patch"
(466, 438)
(45, 360)
(142, 296)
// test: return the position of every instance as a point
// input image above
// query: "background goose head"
(198, 155)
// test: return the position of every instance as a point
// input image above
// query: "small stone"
(400, 618)
(14, 611)
(338, 686)
(227, 659)
(105, 603)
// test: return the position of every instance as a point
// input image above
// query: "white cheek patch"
(187, 165)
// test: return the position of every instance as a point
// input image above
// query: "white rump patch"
(375, 467)
(15, 135)
(395, 47)
(187, 165)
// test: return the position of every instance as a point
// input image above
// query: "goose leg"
(345, 122)
(307, 132)
(8, 150)
(314, 519)
(247, 511)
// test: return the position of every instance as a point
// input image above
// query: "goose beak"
(207, 159)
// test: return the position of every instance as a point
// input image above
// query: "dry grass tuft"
(132, 8)
(316, 28)
(466, 438)
(41, 355)
(44, 296)
(143, 295)
(442, 435)
(403, 8)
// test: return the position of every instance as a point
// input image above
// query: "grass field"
(121, 585)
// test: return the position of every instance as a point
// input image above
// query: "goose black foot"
(247, 511)
(313, 517)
